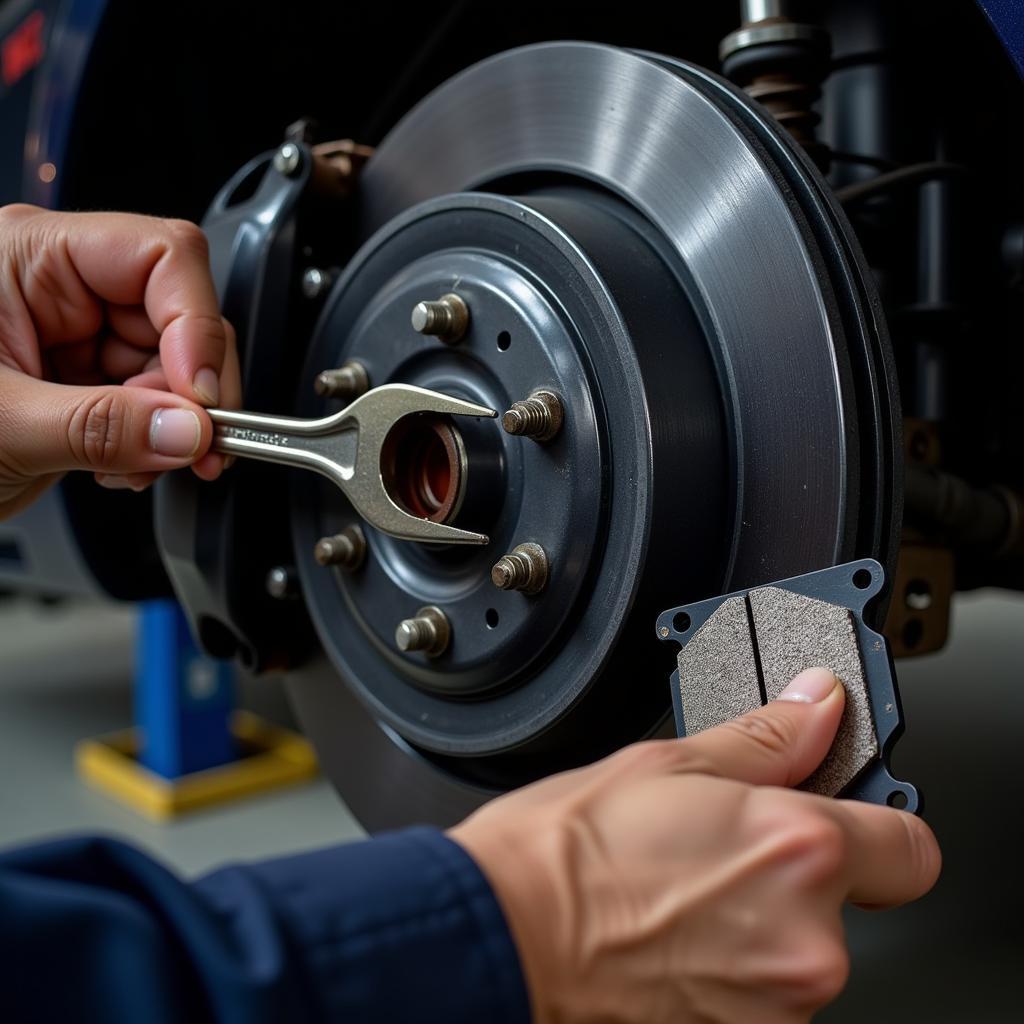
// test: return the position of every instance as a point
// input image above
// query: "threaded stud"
(346, 550)
(538, 417)
(346, 383)
(525, 569)
(428, 632)
(446, 319)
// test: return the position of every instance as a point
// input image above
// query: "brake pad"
(740, 650)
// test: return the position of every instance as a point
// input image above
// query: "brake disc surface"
(676, 269)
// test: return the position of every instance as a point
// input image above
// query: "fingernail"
(206, 385)
(810, 687)
(114, 483)
(175, 432)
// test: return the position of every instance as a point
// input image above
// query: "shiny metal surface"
(346, 448)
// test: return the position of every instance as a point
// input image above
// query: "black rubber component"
(854, 586)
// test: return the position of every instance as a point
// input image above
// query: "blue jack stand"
(190, 748)
(183, 699)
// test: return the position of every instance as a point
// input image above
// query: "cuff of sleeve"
(400, 927)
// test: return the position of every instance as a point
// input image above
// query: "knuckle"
(188, 236)
(642, 755)
(14, 213)
(775, 734)
(97, 430)
(808, 840)
(824, 972)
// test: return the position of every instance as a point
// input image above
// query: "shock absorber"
(780, 59)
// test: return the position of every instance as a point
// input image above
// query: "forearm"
(401, 928)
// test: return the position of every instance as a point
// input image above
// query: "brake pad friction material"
(718, 669)
(796, 632)
(741, 650)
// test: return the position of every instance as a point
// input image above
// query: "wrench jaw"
(368, 491)
(387, 517)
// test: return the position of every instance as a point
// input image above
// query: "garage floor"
(955, 957)
(64, 675)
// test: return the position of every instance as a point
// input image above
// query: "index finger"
(163, 265)
(892, 857)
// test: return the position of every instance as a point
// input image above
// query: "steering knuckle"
(97, 430)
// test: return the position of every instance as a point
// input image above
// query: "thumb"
(779, 744)
(50, 428)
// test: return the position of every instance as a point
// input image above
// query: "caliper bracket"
(738, 651)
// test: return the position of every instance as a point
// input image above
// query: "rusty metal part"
(446, 319)
(918, 619)
(336, 166)
(346, 383)
(780, 60)
(525, 568)
(921, 441)
(429, 632)
(539, 417)
(346, 550)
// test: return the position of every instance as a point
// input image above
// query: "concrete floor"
(956, 957)
(64, 675)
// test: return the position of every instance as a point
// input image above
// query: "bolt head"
(280, 582)
(288, 159)
(314, 282)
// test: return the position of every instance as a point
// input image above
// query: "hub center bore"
(424, 467)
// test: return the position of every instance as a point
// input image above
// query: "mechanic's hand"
(675, 881)
(89, 301)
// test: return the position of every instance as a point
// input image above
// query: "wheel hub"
(547, 315)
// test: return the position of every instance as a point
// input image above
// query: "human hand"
(111, 343)
(677, 881)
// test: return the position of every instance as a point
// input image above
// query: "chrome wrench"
(346, 447)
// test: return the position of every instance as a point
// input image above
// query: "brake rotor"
(632, 234)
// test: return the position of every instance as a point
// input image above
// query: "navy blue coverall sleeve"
(403, 927)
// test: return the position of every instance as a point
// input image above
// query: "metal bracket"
(738, 651)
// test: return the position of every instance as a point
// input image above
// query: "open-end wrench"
(346, 447)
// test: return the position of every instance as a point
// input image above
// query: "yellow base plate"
(274, 757)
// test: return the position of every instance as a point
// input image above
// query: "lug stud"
(428, 632)
(288, 160)
(346, 383)
(346, 550)
(525, 568)
(446, 319)
(538, 417)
